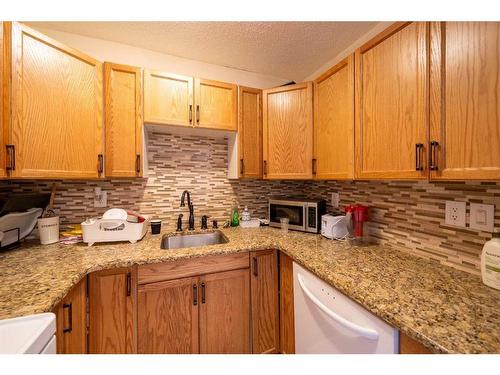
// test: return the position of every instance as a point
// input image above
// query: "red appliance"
(359, 214)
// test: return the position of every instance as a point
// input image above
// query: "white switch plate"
(482, 217)
(455, 213)
(100, 198)
(335, 200)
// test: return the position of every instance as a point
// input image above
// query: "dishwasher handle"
(368, 333)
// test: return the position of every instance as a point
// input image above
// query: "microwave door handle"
(367, 333)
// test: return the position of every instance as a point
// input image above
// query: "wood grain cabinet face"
(334, 122)
(287, 316)
(168, 317)
(216, 104)
(168, 98)
(391, 104)
(112, 316)
(71, 318)
(225, 312)
(4, 94)
(123, 120)
(250, 132)
(265, 310)
(288, 132)
(465, 100)
(56, 108)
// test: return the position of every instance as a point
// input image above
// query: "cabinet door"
(216, 104)
(4, 94)
(225, 312)
(250, 132)
(288, 132)
(168, 317)
(287, 316)
(391, 104)
(112, 325)
(123, 120)
(56, 108)
(168, 98)
(264, 287)
(71, 318)
(465, 100)
(334, 122)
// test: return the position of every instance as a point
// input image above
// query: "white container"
(490, 261)
(48, 228)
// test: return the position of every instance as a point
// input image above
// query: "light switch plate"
(335, 200)
(455, 213)
(482, 217)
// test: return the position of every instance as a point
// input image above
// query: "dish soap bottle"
(490, 261)
(235, 217)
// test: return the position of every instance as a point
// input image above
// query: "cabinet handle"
(129, 284)
(100, 163)
(202, 292)
(265, 167)
(138, 163)
(198, 114)
(11, 151)
(255, 266)
(418, 157)
(69, 306)
(195, 294)
(242, 166)
(433, 155)
(190, 114)
(314, 166)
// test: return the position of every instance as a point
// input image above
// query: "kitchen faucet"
(190, 206)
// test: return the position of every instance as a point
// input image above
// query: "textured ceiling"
(290, 50)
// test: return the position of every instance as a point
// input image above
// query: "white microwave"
(303, 215)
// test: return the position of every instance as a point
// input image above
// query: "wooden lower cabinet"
(71, 318)
(409, 346)
(265, 309)
(112, 316)
(287, 316)
(225, 312)
(168, 317)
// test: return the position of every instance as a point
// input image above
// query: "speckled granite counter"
(447, 310)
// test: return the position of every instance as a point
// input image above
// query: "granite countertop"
(447, 310)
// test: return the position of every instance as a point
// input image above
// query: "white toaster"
(335, 227)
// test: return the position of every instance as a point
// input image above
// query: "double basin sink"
(180, 241)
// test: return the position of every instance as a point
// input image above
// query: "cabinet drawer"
(151, 273)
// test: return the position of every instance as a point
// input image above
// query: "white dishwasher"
(326, 321)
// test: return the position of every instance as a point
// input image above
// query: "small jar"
(155, 226)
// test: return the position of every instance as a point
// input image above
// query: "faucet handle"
(204, 219)
(179, 223)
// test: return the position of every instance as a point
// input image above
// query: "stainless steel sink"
(191, 240)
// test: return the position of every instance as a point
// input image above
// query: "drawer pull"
(69, 306)
(202, 292)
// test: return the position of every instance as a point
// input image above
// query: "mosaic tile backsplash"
(407, 215)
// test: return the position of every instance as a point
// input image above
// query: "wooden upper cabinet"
(391, 104)
(225, 312)
(4, 94)
(112, 316)
(56, 109)
(168, 98)
(123, 120)
(71, 319)
(216, 104)
(334, 122)
(167, 320)
(288, 132)
(465, 100)
(250, 132)
(265, 309)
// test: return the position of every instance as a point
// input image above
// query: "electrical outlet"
(482, 217)
(100, 198)
(335, 200)
(455, 213)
